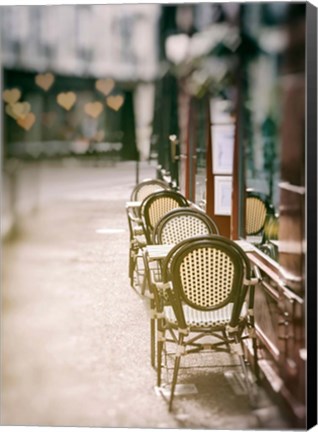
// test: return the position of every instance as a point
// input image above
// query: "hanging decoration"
(105, 86)
(93, 109)
(21, 109)
(66, 100)
(11, 96)
(18, 110)
(115, 102)
(45, 81)
(27, 122)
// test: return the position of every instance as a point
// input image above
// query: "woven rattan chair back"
(216, 238)
(271, 228)
(207, 274)
(181, 224)
(145, 188)
(154, 207)
(256, 210)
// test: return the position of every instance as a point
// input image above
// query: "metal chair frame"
(257, 208)
(152, 209)
(183, 223)
(147, 187)
(270, 232)
(158, 204)
(175, 227)
(136, 232)
(229, 332)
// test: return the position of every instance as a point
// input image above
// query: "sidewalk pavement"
(75, 336)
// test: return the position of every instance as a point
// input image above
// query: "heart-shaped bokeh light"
(66, 100)
(45, 81)
(21, 109)
(93, 109)
(10, 112)
(105, 86)
(18, 110)
(11, 96)
(115, 102)
(27, 122)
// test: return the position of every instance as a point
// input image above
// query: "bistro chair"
(256, 210)
(269, 243)
(210, 288)
(145, 188)
(152, 209)
(136, 233)
(183, 223)
(173, 228)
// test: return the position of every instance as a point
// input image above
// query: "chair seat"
(196, 318)
(254, 239)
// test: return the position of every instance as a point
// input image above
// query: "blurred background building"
(77, 45)
(136, 46)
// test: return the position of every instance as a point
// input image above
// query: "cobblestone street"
(75, 336)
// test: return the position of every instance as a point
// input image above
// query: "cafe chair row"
(142, 217)
(199, 285)
(137, 239)
(147, 187)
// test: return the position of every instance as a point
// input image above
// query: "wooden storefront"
(280, 302)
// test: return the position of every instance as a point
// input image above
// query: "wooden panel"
(293, 130)
(291, 233)
(279, 322)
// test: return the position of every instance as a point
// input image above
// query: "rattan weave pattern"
(255, 215)
(195, 317)
(207, 276)
(160, 207)
(181, 228)
(147, 190)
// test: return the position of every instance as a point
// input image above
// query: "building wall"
(79, 44)
(97, 40)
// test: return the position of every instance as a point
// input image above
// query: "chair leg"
(160, 342)
(176, 369)
(139, 274)
(252, 334)
(244, 368)
(226, 339)
(132, 265)
(144, 285)
(256, 366)
(152, 336)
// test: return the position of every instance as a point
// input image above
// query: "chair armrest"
(134, 218)
(256, 279)
(257, 273)
(161, 286)
(138, 231)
